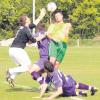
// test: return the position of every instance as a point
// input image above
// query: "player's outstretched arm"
(40, 37)
(42, 14)
(47, 33)
(43, 89)
(55, 94)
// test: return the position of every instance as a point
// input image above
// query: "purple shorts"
(70, 87)
(69, 92)
(41, 61)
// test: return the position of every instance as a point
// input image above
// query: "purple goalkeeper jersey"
(60, 80)
(43, 46)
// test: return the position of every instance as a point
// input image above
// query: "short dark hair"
(57, 11)
(22, 20)
(48, 66)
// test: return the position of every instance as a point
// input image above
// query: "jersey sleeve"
(50, 29)
(30, 36)
(31, 26)
(48, 79)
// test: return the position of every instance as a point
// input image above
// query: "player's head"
(48, 66)
(40, 27)
(24, 19)
(58, 15)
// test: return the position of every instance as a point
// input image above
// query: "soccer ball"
(51, 6)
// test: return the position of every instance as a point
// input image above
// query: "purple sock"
(36, 76)
(83, 86)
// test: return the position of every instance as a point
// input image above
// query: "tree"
(83, 14)
(10, 10)
(85, 19)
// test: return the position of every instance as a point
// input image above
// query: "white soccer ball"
(51, 6)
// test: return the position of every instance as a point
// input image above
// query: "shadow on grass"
(19, 89)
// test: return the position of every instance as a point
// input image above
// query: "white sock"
(90, 87)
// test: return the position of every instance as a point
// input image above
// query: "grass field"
(82, 63)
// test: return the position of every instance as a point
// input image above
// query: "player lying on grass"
(65, 85)
(16, 50)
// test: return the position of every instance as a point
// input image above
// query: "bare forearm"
(38, 20)
(54, 95)
(42, 14)
(42, 93)
(40, 37)
(43, 89)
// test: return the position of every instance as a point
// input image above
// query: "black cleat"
(93, 91)
(9, 79)
(84, 94)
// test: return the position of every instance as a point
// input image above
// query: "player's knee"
(57, 64)
(53, 60)
(35, 78)
(35, 75)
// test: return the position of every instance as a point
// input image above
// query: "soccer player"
(58, 35)
(38, 67)
(65, 85)
(16, 50)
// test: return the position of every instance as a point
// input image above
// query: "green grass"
(82, 63)
(85, 42)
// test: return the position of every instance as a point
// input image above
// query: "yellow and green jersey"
(57, 32)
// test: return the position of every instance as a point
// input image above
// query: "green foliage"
(85, 19)
(83, 14)
(10, 10)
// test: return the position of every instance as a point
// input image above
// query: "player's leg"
(10, 77)
(86, 87)
(52, 52)
(81, 93)
(82, 86)
(12, 55)
(34, 71)
(53, 60)
(37, 67)
(21, 57)
(57, 64)
(60, 53)
(71, 91)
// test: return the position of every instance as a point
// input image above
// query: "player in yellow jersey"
(58, 34)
